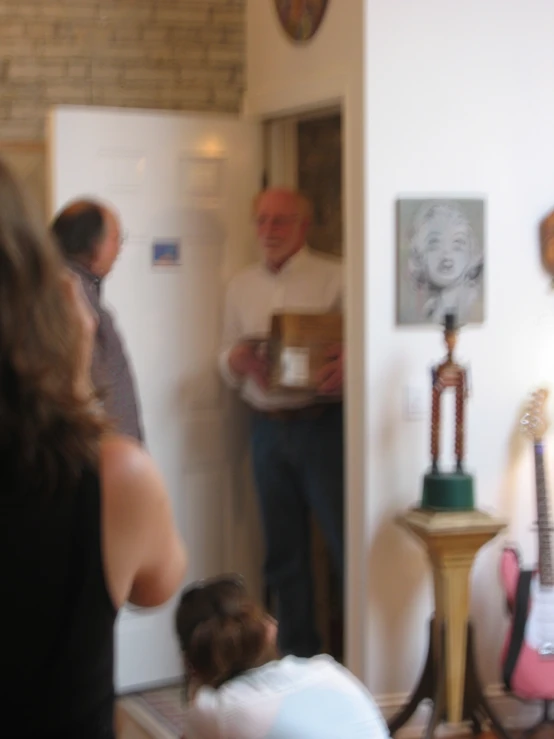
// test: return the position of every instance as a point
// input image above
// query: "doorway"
(305, 151)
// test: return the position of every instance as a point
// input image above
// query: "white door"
(184, 180)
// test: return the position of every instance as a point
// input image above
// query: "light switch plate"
(414, 403)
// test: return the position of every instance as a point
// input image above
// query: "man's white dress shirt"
(307, 282)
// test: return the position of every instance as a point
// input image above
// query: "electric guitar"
(528, 654)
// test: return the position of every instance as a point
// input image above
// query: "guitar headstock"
(534, 421)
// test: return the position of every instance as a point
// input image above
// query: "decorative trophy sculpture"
(448, 490)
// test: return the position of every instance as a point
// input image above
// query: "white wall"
(283, 77)
(458, 100)
(282, 74)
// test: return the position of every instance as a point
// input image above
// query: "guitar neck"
(545, 558)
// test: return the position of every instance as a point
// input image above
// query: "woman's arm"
(144, 555)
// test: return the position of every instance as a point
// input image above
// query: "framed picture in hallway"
(440, 260)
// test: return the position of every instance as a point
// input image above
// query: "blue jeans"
(298, 469)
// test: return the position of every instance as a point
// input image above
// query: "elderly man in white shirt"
(297, 438)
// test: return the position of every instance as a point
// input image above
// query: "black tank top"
(57, 622)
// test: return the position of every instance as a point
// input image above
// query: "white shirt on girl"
(291, 698)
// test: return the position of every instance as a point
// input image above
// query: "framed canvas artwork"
(440, 260)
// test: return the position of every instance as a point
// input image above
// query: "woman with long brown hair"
(85, 520)
(239, 688)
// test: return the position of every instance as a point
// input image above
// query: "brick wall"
(169, 54)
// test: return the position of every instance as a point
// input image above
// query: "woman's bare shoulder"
(123, 458)
(127, 469)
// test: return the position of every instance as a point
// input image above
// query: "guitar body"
(533, 675)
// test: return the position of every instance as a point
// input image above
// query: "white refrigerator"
(183, 185)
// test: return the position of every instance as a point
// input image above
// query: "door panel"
(187, 179)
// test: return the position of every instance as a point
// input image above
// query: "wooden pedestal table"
(449, 678)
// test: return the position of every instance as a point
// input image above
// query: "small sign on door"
(166, 254)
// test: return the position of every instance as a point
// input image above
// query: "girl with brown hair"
(85, 519)
(239, 688)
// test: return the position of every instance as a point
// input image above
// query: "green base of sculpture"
(447, 491)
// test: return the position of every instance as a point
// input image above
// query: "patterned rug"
(158, 711)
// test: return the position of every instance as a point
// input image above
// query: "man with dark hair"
(89, 236)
